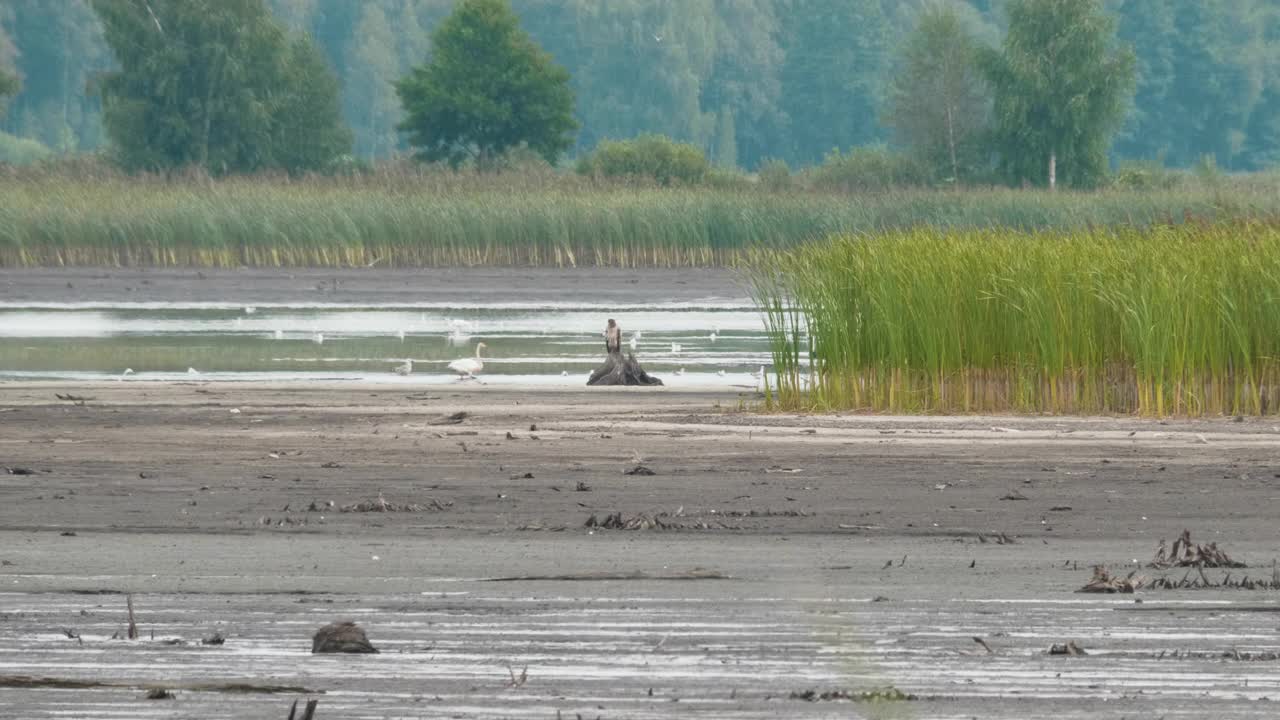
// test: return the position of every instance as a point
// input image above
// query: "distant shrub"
(21, 151)
(655, 157)
(775, 176)
(1145, 175)
(867, 169)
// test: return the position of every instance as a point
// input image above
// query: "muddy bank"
(367, 286)
(777, 555)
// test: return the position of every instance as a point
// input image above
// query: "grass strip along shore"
(1167, 320)
(551, 220)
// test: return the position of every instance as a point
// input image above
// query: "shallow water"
(715, 342)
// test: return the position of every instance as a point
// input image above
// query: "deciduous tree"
(486, 88)
(1061, 88)
(939, 105)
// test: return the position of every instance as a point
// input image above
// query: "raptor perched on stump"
(618, 370)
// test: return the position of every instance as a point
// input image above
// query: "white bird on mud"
(249, 310)
(634, 342)
(680, 371)
(720, 373)
(279, 334)
(400, 334)
(713, 336)
(675, 348)
(192, 371)
(469, 367)
(127, 372)
(318, 338)
(564, 373)
(405, 368)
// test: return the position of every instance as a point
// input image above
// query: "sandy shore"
(221, 508)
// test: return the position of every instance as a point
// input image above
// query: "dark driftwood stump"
(341, 637)
(618, 370)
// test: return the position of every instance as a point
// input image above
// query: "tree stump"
(618, 370)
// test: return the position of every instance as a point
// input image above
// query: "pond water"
(712, 343)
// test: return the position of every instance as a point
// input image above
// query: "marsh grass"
(89, 215)
(1167, 320)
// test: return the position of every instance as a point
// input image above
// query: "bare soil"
(767, 556)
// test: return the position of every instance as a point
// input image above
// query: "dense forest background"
(747, 80)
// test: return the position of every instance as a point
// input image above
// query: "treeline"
(744, 80)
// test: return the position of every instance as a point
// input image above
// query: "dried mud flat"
(769, 566)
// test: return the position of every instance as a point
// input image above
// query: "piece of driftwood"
(341, 637)
(1067, 648)
(1104, 582)
(308, 712)
(1185, 553)
(619, 370)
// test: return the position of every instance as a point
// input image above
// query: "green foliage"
(213, 86)
(832, 75)
(939, 105)
(21, 151)
(653, 157)
(9, 84)
(1161, 321)
(1061, 89)
(867, 169)
(486, 88)
(774, 175)
(309, 131)
(1146, 175)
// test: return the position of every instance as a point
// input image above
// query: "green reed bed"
(1170, 320)
(543, 219)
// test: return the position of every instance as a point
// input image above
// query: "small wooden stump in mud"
(341, 637)
(618, 370)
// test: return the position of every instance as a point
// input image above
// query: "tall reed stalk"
(97, 217)
(1168, 320)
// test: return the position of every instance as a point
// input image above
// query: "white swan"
(720, 373)
(469, 367)
(713, 336)
(634, 342)
(675, 348)
(318, 338)
(405, 368)
(249, 310)
(127, 372)
(279, 334)
(192, 371)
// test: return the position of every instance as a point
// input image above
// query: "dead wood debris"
(582, 487)
(1203, 582)
(1067, 648)
(997, 538)
(644, 521)
(1185, 553)
(341, 637)
(1104, 582)
(693, 574)
(885, 694)
(639, 470)
(382, 505)
(160, 694)
(214, 639)
(19, 471)
(454, 419)
(308, 712)
(31, 681)
(1233, 654)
